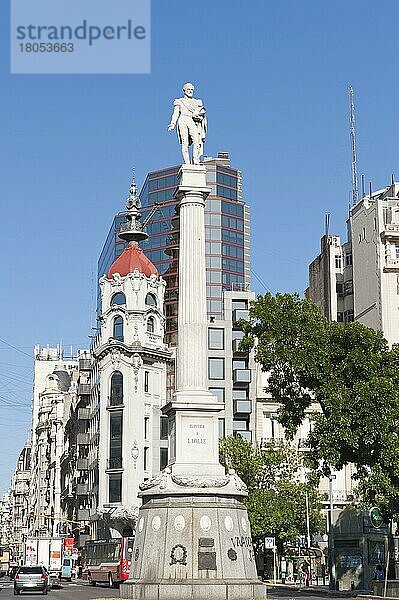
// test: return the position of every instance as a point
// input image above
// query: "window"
(118, 328)
(337, 262)
(115, 441)
(340, 317)
(221, 427)
(164, 428)
(150, 324)
(216, 368)
(150, 300)
(348, 259)
(240, 363)
(340, 288)
(348, 316)
(348, 287)
(240, 425)
(240, 394)
(146, 426)
(115, 487)
(163, 458)
(215, 339)
(239, 305)
(146, 378)
(396, 250)
(118, 298)
(218, 392)
(146, 457)
(116, 391)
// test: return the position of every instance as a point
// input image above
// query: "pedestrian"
(283, 569)
(378, 573)
(305, 572)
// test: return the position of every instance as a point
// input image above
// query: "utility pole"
(331, 553)
(355, 192)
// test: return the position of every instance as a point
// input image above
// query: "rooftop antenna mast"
(355, 192)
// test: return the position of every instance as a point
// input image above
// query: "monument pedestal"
(193, 538)
(193, 541)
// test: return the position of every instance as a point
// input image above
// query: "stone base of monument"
(193, 542)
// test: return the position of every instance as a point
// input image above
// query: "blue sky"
(274, 76)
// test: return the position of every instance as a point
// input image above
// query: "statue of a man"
(189, 114)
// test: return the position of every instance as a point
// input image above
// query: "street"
(69, 591)
(83, 591)
(294, 593)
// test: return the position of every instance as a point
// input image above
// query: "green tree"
(276, 500)
(351, 377)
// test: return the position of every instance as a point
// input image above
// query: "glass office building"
(226, 233)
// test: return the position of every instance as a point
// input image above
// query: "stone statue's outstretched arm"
(175, 116)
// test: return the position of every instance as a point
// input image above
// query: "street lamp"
(331, 553)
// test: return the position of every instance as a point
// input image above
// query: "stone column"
(192, 319)
(193, 413)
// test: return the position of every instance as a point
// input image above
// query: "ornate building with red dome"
(130, 370)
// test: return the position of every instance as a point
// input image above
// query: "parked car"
(31, 578)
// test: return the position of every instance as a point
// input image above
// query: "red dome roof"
(132, 258)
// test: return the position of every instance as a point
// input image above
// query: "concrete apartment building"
(359, 280)
(20, 488)
(54, 382)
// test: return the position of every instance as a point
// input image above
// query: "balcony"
(236, 347)
(83, 439)
(391, 231)
(240, 313)
(93, 464)
(95, 438)
(84, 414)
(114, 463)
(82, 489)
(84, 389)
(241, 376)
(83, 514)
(392, 264)
(82, 464)
(84, 364)
(243, 406)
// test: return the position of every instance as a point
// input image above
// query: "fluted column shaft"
(192, 318)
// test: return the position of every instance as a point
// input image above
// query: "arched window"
(150, 324)
(118, 328)
(150, 300)
(116, 390)
(118, 298)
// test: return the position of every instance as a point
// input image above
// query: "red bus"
(108, 561)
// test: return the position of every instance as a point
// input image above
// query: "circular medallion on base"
(179, 523)
(244, 524)
(205, 523)
(141, 524)
(156, 523)
(228, 523)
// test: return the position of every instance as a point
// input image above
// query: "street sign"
(376, 517)
(270, 543)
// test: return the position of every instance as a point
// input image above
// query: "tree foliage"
(348, 373)
(276, 500)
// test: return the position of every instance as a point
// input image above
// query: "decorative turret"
(132, 232)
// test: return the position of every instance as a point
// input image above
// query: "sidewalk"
(321, 590)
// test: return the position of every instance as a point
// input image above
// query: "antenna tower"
(355, 193)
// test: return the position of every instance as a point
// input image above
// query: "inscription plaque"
(207, 561)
